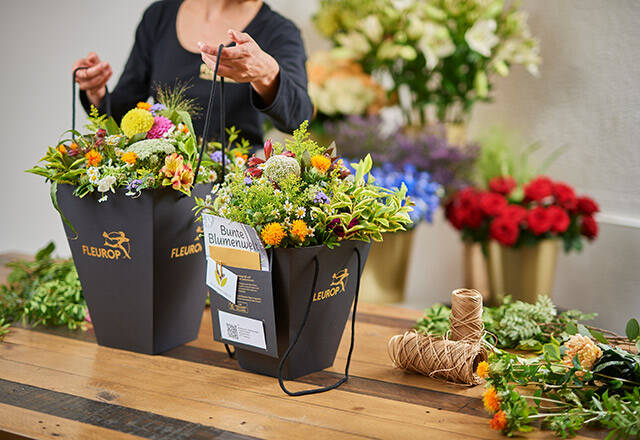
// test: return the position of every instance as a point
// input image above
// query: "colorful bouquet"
(301, 194)
(338, 86)
(516, 216)
(428, 151)
(154, 147)
(441, 52)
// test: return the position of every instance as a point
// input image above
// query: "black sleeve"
(134, 84)
(291, 105)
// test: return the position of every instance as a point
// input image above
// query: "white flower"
(288, 207)
(435, 44)
(112, 140)
(213, 176)
(94, 175)
(275, 213)
(481, 37)
(311, 232)
(355, 42)
(287, 223)
(372, 28)
(300, 212)
(106, 184)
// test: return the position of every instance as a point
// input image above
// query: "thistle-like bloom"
(321, 163)
(129, 157)
(136, 121)
(62, 149)
(499, 421)
(299, 229)
(272, 234)
(490, 400)
(483, 369)
(172, 163)
(93, 158)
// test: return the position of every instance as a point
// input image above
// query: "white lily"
(481, 37)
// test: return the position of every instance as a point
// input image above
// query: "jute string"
(453, 359)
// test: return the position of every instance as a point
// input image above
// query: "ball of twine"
(454, 359)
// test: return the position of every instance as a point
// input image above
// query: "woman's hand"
(94, 79)
(245, 62)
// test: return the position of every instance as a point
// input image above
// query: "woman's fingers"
(98, 81)
(239, 37)
(92, 72)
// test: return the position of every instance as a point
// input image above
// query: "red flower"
(254, 161)
(289, 153)
(587, 206)
(253, 172)
(468, 198)
(268, 148)
(492, 204)
(502, 184)
(559, 219)
(565, 196)
(504, 231)
(453, 213)
(515, 213)
(473, 218)
(539, 220)
(538, 188)
(589, 227)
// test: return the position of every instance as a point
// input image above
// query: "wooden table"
(56, 383)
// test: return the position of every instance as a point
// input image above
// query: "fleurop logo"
(116, 246)
(190, 249)
(338, 285)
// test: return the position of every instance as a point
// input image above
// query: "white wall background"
(588, 97)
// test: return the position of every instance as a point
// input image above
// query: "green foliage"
(44, 291)
(175, 99)
(435, 320)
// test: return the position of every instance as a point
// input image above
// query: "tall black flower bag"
(140, 264)
(314, 289)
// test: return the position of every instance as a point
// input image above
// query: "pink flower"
(160, 127)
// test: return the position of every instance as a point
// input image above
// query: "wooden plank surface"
(63, 381)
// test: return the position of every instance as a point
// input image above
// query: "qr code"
(232, 331)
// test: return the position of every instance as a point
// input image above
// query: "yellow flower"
(93, 158)
(62, 149)
(272, 234)
(172, 163)
(499, 421)
(483, 369)
(491, 400)
(299, 229)
(143, 106)
(136, 121)
(183, 178)
(129, 157)
(321, 163)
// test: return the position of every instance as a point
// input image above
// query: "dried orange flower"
(129, 157)
(62, 149)
(321, 163)
(499, 421)
(491, 400)
(73, 146)
(586, 350)
(299, 229)
(93, 158)
(143, 105)
(272, 234)
(483, 369)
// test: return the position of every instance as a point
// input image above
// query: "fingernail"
(200, 44)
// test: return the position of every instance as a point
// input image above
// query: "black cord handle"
(205, 133)
(304, 322)
(107, 101)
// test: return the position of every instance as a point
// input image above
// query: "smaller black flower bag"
(302, 303)
(140, 264)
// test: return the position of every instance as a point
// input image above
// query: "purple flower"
(320, 198)
(134, 184)
(216, 156)
(248, 180)
(156, 108)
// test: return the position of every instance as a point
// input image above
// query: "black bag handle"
(205, 133)
(304, 322)
(107, 101)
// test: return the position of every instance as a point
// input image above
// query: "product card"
(233, 244)
(247, 331)
(222, 280)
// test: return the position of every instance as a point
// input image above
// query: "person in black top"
(265, 71)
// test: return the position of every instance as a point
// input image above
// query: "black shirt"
(158, 57)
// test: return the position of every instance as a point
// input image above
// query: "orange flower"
(272, 234)
(143, 105)
(299, 229)
(62, 149)
(491, 400)
(321, 163)
(172, 163)
(93, 158)
(499, 421)
(129, 157)
(183, 178)
(483, 369)
(73, 146)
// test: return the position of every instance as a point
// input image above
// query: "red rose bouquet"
(516, 216)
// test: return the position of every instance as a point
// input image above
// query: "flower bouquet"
(521, 226)
(438, 54)
(122, 192)
(316, 219)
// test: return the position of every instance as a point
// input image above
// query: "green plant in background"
(45, 291)
(503, 154)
